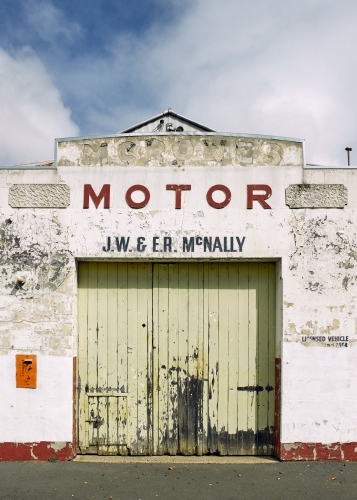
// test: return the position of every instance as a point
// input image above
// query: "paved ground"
(168, 481)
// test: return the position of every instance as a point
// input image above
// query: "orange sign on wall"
(26, 371)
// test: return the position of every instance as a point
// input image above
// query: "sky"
(90, 67)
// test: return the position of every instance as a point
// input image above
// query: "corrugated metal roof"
(169, 113)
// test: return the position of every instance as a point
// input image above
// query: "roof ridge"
(168, 112)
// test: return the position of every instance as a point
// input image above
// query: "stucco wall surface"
(41, 414)
(316, 249)
(179, 149)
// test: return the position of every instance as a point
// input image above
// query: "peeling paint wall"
(316, 248)
(180, 149)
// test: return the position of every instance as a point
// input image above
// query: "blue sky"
(89, 67)
(75, 42)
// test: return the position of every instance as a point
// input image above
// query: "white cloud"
(31, 110)
(266, 67)
(270, 67)
(48, 21)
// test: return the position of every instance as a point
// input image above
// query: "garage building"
(174, 290)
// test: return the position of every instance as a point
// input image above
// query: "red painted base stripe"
(318, 451)
(277, 407)
(44, 450)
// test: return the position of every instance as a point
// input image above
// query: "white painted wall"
(317, 248)
(41, 414)
(319, 394)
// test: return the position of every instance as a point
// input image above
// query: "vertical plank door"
(177, 363)
(114, 312)
(176, 358)
(240, 328)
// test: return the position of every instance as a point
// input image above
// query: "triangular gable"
(168, 121)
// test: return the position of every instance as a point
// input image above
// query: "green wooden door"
(214, 358)
(176, 358)
(114, 310)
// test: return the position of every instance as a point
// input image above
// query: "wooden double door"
(176, 358)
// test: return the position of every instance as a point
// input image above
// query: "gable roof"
(168, 121)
